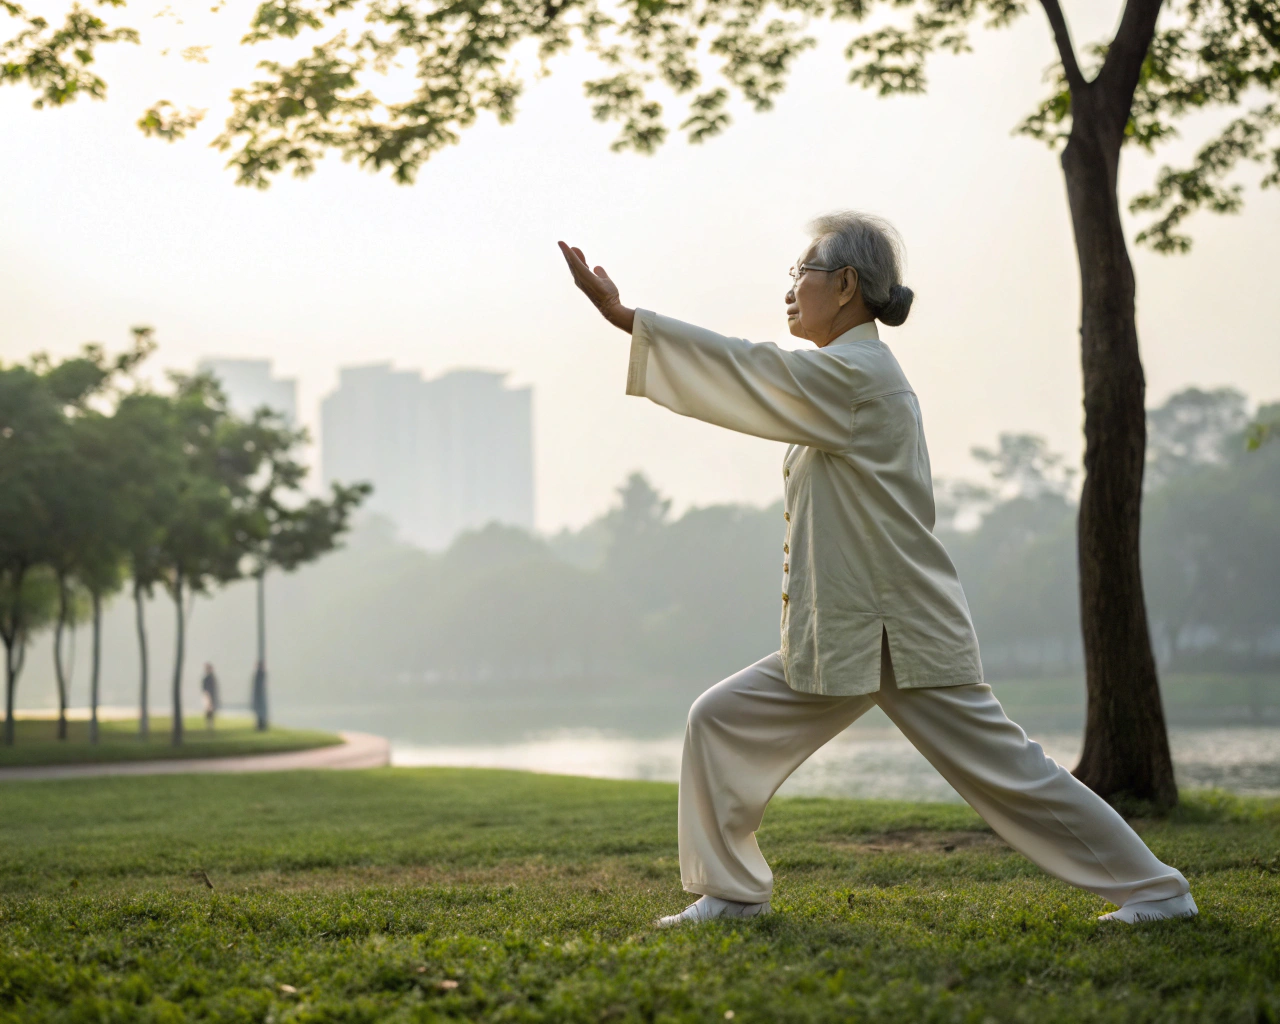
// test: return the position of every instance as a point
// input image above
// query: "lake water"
(863, 762)
(634, 732)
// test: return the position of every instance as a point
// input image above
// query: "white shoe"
(1154, 910)
(711, 908)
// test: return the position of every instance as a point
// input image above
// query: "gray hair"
(874, 249)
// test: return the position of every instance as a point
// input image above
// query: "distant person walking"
(872, 608)
(209, 688)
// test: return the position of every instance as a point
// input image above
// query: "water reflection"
(875, 762)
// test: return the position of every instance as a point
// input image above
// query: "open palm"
(598, 287)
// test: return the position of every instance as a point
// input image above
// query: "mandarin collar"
(863, 332)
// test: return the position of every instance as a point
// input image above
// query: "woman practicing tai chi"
(872, 609)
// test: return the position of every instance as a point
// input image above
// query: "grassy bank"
(37, 741)
(440, 894)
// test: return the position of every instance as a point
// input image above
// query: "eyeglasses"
(798, 272)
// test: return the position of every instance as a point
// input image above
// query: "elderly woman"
(872, 609)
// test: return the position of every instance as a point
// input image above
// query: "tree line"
(107, 483)
(640, 596)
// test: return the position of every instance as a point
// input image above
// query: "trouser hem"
(705, 889)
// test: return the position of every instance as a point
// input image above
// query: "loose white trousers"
(749, 732)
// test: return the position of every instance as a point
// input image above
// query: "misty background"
(618, 624)
(604, 600)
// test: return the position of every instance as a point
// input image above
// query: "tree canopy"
(690, 54)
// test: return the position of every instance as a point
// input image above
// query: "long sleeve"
(803, 398)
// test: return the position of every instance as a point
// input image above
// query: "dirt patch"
(597, 878)
(920, 840)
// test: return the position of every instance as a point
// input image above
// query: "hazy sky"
(103, 229)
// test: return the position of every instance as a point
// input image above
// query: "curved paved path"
(357, 750)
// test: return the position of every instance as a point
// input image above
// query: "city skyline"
(250, 384)
(444, 455)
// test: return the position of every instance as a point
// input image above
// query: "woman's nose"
(791, 295)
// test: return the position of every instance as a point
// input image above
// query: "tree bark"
(179, 653)
(1126, 747)
(260, 672)
(59, 668)
(95, 667)
(144, 712)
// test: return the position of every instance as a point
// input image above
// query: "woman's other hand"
(599, 288)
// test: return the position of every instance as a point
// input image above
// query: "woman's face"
(816, 299)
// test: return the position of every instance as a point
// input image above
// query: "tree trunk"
(260, 672)
(1126, 747)
(12, 666)
(14, 652)
(59, 668)
(144, 712)
(95, 667)
(179, 652)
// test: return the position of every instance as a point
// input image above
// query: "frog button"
(786, 549)
(785, 598)
(786, 516)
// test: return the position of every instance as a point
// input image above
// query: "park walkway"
(357, 750)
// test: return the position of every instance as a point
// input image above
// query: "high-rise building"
(249, 385)
(443, 455)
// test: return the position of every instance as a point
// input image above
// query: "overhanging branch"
(1062, 37)
(1123, 66)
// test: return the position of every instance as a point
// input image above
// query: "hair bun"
(894, 312)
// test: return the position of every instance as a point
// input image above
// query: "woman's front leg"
(744, 737)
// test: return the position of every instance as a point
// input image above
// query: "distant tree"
(1016, 560)
(1265, 426)
(723, 611)
(206, 532)
(637, 527)
(83, 517)
(29, 414)
(61, 490)
(102, 562)
(1023, 466)
(285, 531)
(148, 460)
(39, 406)
(28, 603)
(1193, 428)
(71, 612)
(1213, 536)
(959, 504)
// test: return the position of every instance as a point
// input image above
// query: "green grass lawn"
(453, 894)
(37, 742)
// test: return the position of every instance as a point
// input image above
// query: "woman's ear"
(848, 284)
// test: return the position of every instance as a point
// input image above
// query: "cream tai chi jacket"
(859, 554)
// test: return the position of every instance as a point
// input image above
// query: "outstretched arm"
(753, 389)
(797, 397)
(599, 288)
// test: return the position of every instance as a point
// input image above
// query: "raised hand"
(599, 288)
